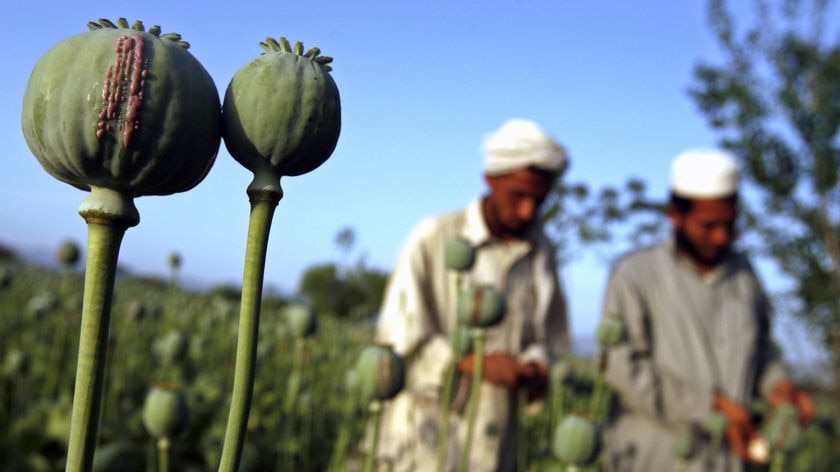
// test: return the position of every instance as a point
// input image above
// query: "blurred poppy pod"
(783, 431)
(172, 347)
(459, 254)
(301, 320)
(610, 332)
(577, 440)
(68, 254)
(165, 411)
(380, 373)
(481, 306)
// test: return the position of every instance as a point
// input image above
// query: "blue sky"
(421, 83)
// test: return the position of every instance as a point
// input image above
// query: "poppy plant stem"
(263, 204)
(104, 239)
(475, 391)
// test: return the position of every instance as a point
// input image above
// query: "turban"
(704, 173)
(520, 144)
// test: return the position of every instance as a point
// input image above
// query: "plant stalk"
(472, 412)
(104, 239)
(163, 446)
(263, 204)
(375, 413)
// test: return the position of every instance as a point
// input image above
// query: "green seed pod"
(610, 332)
(282, 113)
(123, 113)
(462, 340)
(135, 311)
(175, 260)
(686, 445)
(165, 412)
(782, 430)
(561, 371)
(380, 373)
(576, 440)
(459, 254)
(172, 347)
(68, 254)
(42, 304)
(718, 423)
(17, 363)
(481, 306)
(301, 320)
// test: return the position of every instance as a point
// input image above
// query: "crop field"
(303, 416)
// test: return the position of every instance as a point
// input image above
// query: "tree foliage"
(774, 100)
(353, 291)
(578, 217)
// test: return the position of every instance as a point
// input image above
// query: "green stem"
(475, 390)
(446, 395)
(104, 239)
(290, 410)
(446, 400)
(375, 411)
(337, 461)
(262, 212)
(778, 462)
(163, 454)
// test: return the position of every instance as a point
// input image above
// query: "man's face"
(706, 232)
(514, 200)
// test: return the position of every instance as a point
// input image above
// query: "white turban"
(704, 173)
(520, 144)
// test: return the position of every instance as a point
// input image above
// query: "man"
(698, 335)
(418, 315)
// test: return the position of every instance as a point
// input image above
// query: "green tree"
(774, 100)
(620, 218)
(352, 291)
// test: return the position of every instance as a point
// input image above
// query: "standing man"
(418, 316)
(698, 334)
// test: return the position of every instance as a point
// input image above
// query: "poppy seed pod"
(172, 347)
(282, 113)
(165, 412)
(301, 320)
(481, 306)
(718, 424)
(17, 363)
(380, 373)
(459, 254)
(462, 341)
(686, 445)
(68, 254)
(783, 432)
(576, 440)
(610, 332)
(122, 112)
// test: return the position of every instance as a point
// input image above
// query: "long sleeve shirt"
(689, 335)
(418, 319)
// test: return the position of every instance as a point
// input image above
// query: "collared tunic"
(418, 319)
(689, 335)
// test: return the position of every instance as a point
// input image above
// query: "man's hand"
(740, 429)
(505, 370)
(786, 392)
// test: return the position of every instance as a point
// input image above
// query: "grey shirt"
(689, 335)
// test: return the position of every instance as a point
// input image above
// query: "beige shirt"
(418, 317)
(688, 336)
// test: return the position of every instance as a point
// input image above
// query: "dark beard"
(688, 248)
